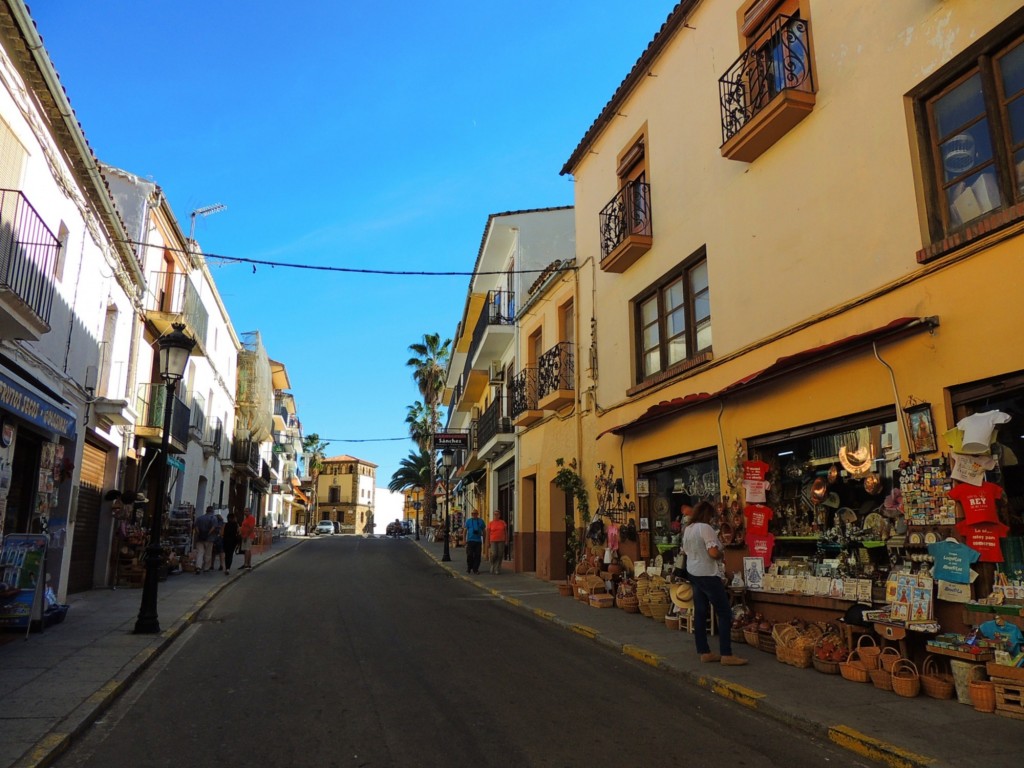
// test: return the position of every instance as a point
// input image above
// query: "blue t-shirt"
(475, 529)
(1008, 633)
(952, 561)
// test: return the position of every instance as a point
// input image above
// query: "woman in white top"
(703, 551)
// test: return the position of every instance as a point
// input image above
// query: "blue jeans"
(709, 592)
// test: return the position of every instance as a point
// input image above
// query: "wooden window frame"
(656, 291)
(943, 233)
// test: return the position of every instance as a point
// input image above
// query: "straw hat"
(682, 595)
(858, 463)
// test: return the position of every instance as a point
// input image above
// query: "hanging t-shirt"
(985, 538)
(979, 503)
(1007, 632)
(757, 516)
(978, 430)
(952, 561)
(761, 546)
(968, 468)
(613, 536)
(754, 485)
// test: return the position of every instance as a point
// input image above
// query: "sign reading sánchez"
(451, 440)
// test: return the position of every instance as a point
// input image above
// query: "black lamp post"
(447, 457)
(174, 350)
(416, 505)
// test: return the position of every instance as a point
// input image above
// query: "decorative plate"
(661, 506)
(873, 521)
(915, 538)
(931, 537)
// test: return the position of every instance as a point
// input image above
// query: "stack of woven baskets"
(657, 598)
(625, 597)
(794, 644)
(861, 661)
(936, 682)
(643, 586)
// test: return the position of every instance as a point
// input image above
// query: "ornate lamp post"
(447, 458)
(416, 504)
(174, 350)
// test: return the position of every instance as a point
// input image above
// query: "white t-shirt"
(698, 538)
(978, 429)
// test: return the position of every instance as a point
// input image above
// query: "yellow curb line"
(103, 693)
(582, 629)
(543, 614)
(640, 654)
(514, 601)
(748, 697)
(45, 750)
(864, 745)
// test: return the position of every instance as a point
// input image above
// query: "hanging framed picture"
(921, 429)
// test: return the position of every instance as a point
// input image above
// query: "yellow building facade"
(798, 231)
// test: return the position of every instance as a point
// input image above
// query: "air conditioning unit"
(497, 372)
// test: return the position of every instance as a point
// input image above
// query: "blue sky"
(373, 135)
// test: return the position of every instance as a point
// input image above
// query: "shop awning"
(298, 491)
(784, 366)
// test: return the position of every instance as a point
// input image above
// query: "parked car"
(324, 527)
(337, 526)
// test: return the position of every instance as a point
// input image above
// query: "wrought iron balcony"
(264, 471)
(28, 258)
(557, 377)
(246, 454)
(626, 228)
(197, 420)
(150, 407)
(212, 437)
(767, 90)
(175, 299)
(494, 431)
(525, 396)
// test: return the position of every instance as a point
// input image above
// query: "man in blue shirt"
(474, 542)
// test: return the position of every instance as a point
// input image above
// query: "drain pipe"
(895, 394)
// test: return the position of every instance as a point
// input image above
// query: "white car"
(324, 526)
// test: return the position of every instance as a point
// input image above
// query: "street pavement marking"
(513, 601)
(45, 750)
(582, 629)
(640, 654)
(748, 697)
(881, 751)
(543, 614)
(108, 689)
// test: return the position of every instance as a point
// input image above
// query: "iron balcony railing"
(264, 471)
(500, 310)
(151, 399)
(197, 421)
(525, 388)
(493, 423)
(628, 213)
(28, 253)
(781, 62)
(246, 453)
(174, 294)
(556, 369)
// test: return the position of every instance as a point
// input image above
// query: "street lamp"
(174, 349)
(416, 504)
(447, 456)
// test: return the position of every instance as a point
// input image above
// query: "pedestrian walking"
(206, 527)
(496, 533)
(247, 530)
(703, 551)
(229, 538)
(474, 541)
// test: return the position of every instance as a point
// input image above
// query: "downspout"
(895, 392)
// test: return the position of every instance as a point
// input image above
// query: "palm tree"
(413, 472)
(429, 370)
(313, 447)
(419, 421)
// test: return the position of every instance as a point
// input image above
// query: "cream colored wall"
(825, 215)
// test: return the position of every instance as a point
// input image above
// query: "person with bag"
(247, 530)
(703, 552)
(231, 539)
(474, 541)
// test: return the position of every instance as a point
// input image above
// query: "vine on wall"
(568, 480)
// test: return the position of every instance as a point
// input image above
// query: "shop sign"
(21, 571)
(33, 409)
(175, 462)
(451, 440)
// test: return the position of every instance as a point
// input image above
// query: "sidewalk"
(875, 724)
(57, 682)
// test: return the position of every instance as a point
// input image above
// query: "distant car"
(324, 527)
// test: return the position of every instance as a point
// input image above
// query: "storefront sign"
(175, 462)
(34, 409)
(451, 440)
(21, 578)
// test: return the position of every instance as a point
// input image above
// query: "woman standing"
(247, 530)
(230, 537)
(703, 551)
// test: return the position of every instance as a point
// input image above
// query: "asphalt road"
(361, 652)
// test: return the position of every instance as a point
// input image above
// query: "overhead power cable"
(565, 267)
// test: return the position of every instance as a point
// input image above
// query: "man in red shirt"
(246, 531)
(497, 532)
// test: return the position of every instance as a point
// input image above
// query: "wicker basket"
(854, 669)
(905, 680)
(736, 635)
(881, 679)
(936, 683)
(888, 657)
(629, 603)
(983, 695)
(825, 667)
(750, 635)
(868, 652)
(795, 655)
(784, 634)
(765, 642)
(658, 609)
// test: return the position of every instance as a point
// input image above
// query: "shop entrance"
(82, 565)
(24, 480)
(507, 501)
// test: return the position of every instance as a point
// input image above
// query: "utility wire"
(565, 267)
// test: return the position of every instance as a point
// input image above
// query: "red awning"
(781, 367)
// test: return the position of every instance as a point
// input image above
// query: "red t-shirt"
(757, 516)
(979, 503)
(984, 538)
(755, 470)
(496, 531)
(761, 546)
